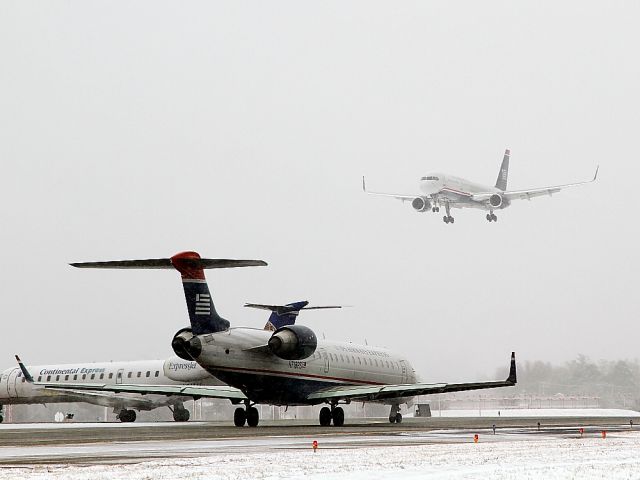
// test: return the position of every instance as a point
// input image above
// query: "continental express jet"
(287, 366)
(453, 192)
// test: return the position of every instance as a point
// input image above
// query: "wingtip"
(596, 174)
(513, 378)
(364, 188)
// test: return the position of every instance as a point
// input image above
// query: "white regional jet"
(453, 192)
(15, 390)
(288, 366)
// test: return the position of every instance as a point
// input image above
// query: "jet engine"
(421, 204)
(186, 345)
(293, 342)
(495, 200)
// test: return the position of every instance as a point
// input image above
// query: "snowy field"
(503, 456)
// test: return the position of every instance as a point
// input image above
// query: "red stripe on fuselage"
(350, 381)
(457, 191)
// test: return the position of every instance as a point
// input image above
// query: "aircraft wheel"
(325, 416)
(253, 417)
(489, 219)
(398, 418)
(494, 218)
(181, 414)
(239, 417)
(131, 416)
(392, 419)
(338, 417)
(445, 219)
(451, 220)
(1, 419)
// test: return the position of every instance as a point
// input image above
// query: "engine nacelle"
(495, 200)
(293, 342)
(184, 345)
(421, 204)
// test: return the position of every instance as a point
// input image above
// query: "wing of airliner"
(531, 193)
(385, 392)
(344, 392)
(404, 198)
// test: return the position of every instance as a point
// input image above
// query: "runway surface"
(84, 444)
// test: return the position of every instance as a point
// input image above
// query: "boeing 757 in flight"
(288, 366)
(453, 192)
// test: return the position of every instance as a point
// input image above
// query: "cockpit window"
(431, 178)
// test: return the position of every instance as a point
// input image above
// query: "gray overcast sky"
(242, 129)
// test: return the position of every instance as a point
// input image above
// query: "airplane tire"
(127, 416)
(239, 417)
(1, 419)
(325, 416)
(451, 219)
(181, 415)
(445, 219)
(338, 417)
(253, 417)
(398, 418)
(392, 419)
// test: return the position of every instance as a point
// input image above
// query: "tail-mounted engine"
(186, 345)
(293, 342)
(421, 204)
(495, 200)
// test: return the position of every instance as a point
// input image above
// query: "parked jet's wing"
(404, 198)
(385, 392)
(533, 192)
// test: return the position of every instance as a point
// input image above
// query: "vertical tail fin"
(283, 315)
(202, 312)
(501, 182)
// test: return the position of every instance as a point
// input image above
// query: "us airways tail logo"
(203, 304)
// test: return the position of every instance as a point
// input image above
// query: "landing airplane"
(453, 192)
(289, 366)
(15, 390)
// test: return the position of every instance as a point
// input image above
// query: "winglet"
(25, 372)
(512, 378)
(596, 174)
(364, 187)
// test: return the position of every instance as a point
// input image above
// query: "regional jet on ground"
(15, 390)
(288, 366)
(453, 192)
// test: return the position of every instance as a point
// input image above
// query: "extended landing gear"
(435, 209)
(448, 218)
(127, 416)
(181, 414)
(1, 414)
(394, 415)
(334, 413)
(491, 217)
(250, 416)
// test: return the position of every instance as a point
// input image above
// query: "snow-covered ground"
(539, 412)
(615, 457)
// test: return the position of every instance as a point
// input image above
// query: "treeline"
(616, 383)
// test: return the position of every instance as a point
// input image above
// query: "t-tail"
(503, 175)
(202, 312)
(283, 315)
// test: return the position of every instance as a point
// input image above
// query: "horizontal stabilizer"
(165, 263)
(280, 309)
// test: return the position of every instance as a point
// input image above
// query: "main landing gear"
(181, 414)
(334, 413)
(448, 218)
(491, 217)
(248, 415)
(394, 415)
(127, 416)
